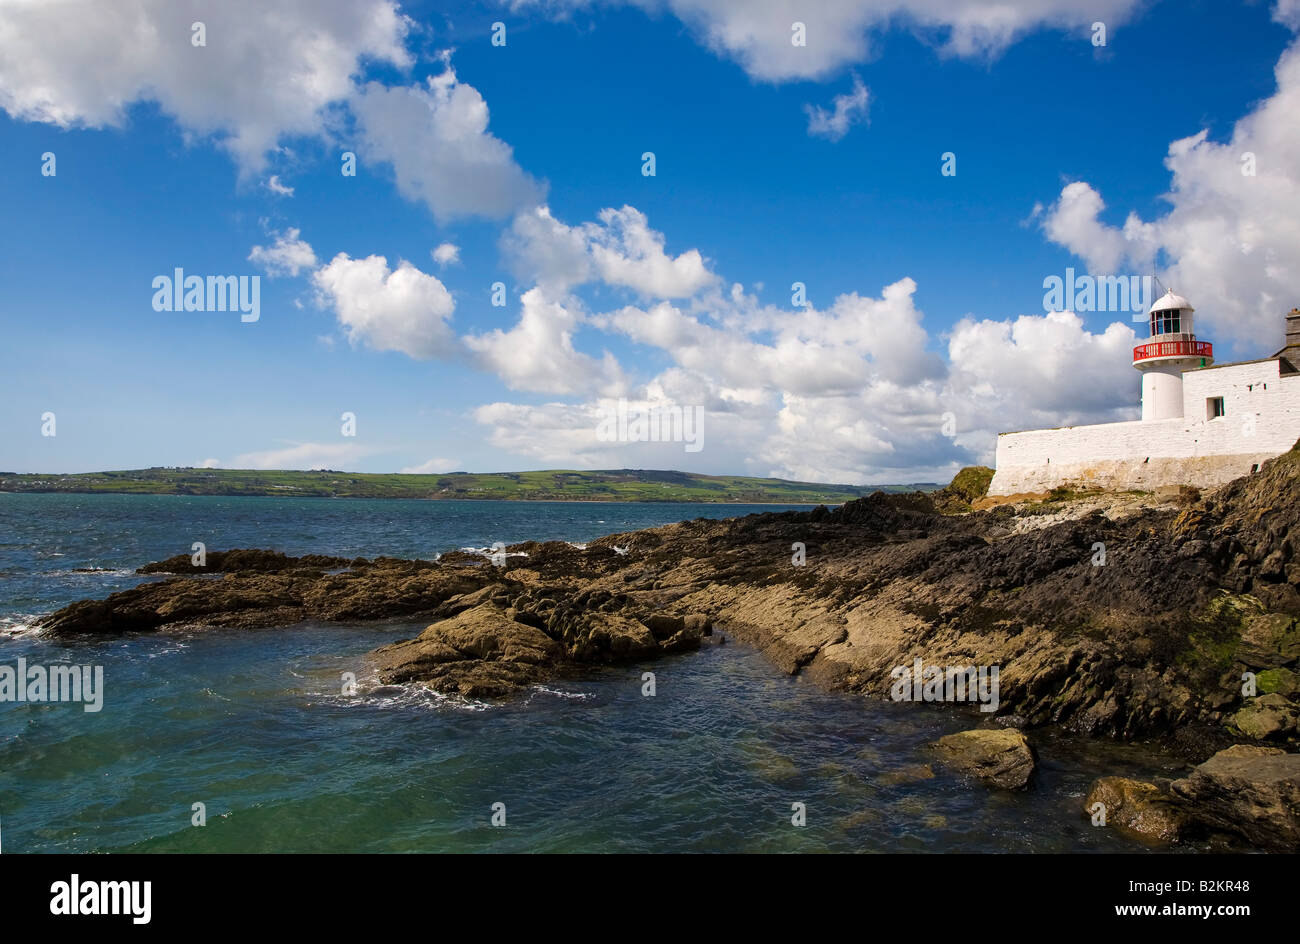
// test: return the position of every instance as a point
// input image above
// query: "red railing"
(1172, 349)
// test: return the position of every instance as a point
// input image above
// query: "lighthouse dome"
(1169, 301)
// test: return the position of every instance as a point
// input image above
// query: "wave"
(371, 693)
(91, 572)
(21, 626)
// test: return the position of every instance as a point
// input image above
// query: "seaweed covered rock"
(1267, 716)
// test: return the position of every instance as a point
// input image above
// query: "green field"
(548, 485)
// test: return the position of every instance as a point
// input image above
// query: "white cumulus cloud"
(537, 354)
(446, 254)
(403, 310)
(435, 138)
(620, 250)
(852, 393)
(288, 255)
(266, 72)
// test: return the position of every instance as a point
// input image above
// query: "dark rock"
(1137, 809)
(252, 560)
(1251, 791)
(1001, 758)
(477, 653)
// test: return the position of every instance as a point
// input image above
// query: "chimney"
(1293, 328)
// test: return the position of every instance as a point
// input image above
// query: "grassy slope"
(552, 485)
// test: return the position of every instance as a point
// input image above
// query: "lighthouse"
(1171, 349)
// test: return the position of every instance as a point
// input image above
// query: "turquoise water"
(253, 723)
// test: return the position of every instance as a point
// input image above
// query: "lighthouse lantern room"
(1172, 349)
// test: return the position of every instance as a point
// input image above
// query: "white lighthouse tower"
(1172, 349)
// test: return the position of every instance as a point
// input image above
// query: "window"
(1166, 322)
(1214, 408)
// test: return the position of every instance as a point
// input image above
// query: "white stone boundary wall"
(1261, 420)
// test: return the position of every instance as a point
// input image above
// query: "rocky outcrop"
(488, 650)
(999, 757)
(288, 591)
(1137, 809)
(1251, 791)
(480, 652)
(250, 560)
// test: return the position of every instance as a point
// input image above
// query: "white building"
(1201, 425)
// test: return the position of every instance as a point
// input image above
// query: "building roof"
(1257, 360)
(1169, 301)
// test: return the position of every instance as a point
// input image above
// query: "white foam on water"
(371, 693)
(167, 649)
(559, 693)
(493, 553)
(21, 626)
(92, 572)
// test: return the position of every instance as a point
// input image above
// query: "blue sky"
(925, 332)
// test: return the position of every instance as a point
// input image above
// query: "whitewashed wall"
(1262, 420)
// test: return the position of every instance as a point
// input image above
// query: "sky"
(824, 230)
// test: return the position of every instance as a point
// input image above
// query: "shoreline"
(552, 501)
(560, 485)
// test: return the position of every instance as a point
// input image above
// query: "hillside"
(546, 485)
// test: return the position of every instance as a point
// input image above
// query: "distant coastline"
(619, 485)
